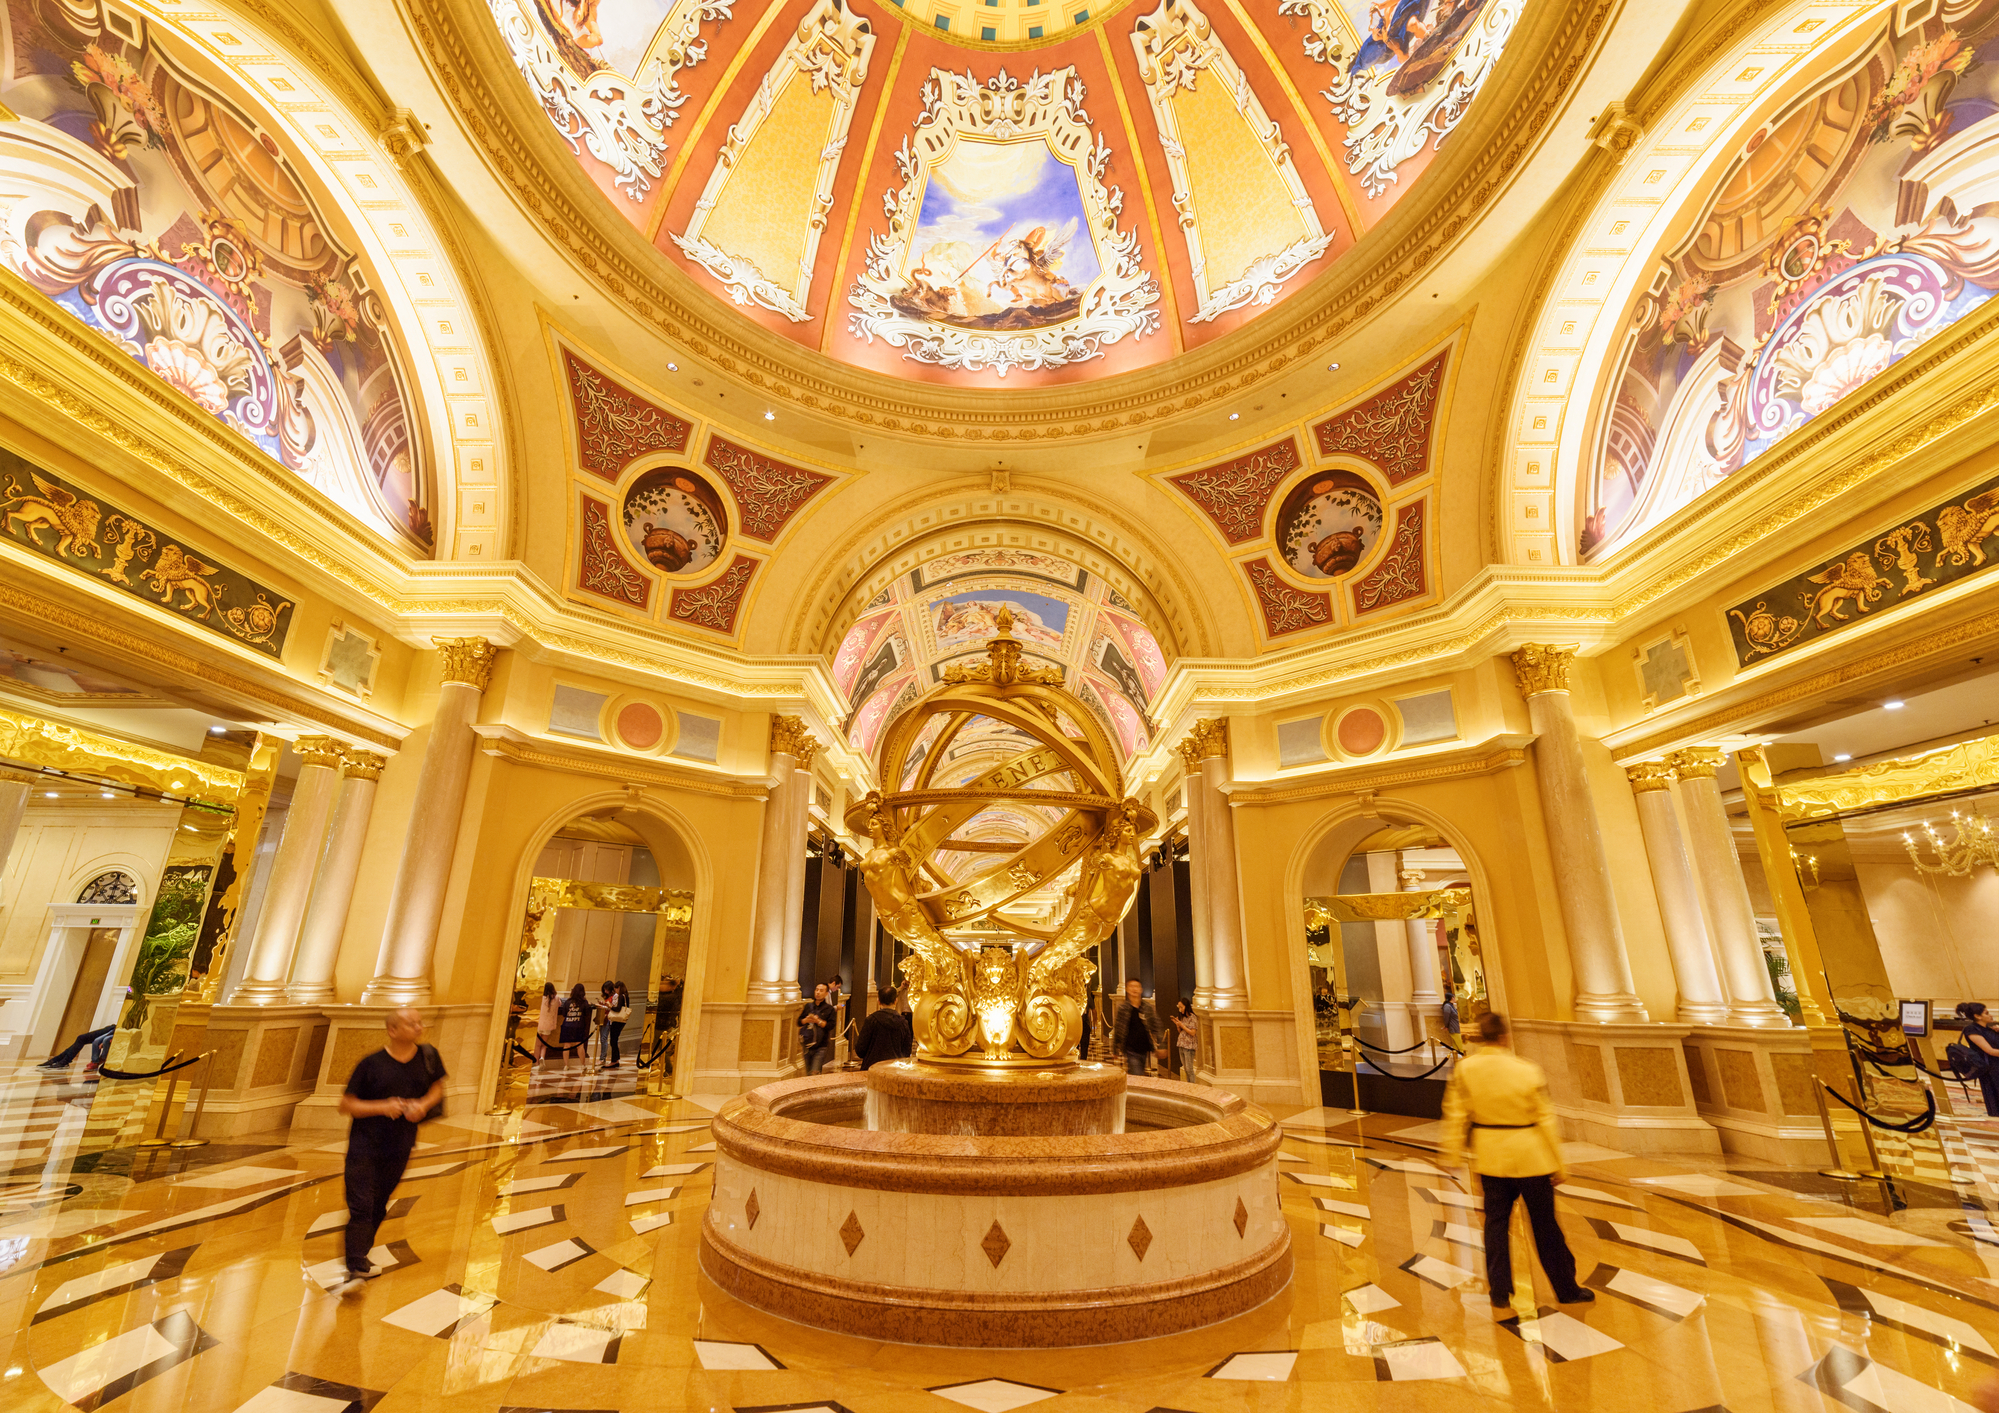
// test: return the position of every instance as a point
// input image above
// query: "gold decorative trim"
(1648, 776)
(677, 904)
(1542, 667)
(1205, 738)
(321, 751)
(1511, 123)
(1968, 765)
(789, 736)
(467, 660)
(33, 741)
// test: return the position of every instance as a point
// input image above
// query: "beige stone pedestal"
(746, 1044)
(459, 1032)
(1254, 1054)
(1754, 1084)
(1621, 1086)
(267, 1059)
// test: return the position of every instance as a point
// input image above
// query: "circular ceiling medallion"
(675, 518)
(1361, 731)
(1328, 523)
(640, 726)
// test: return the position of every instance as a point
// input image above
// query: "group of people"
(884, 1035)
(566, 1024)
(1136, 1035)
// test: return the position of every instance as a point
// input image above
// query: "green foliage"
(171, 932)
(1780, 982)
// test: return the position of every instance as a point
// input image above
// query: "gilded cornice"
(33, 741)
(506, 743)
(1510, 121)
(1968, 765)
(1487, 757)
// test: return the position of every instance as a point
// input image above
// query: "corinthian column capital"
(362, 765)
(1542, 667)
(1204, 740)
(1649, 775)
(788, 734)
(467, 660)
(318, 750)
(1695, 763)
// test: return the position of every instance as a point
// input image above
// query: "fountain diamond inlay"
(1241, 1217)
(851, 1234)
(752, 1211)
(996, 1245)
(1140, 1238)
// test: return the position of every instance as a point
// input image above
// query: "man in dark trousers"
(885, 1034)
(1136, 1030)
(387, 1096)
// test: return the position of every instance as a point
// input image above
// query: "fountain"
(994, 1191)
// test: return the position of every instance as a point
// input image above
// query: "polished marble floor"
(544, 1259)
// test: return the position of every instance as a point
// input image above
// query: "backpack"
(1964, 1061)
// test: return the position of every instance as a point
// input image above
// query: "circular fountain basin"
(996, 1240)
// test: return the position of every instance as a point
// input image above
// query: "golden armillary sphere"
(997, 971)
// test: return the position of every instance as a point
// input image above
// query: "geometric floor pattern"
(540, 1264)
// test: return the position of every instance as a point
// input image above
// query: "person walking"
(1497, 1115)
(1983, 1038)
(1136, 1029)
(1089, 1023)
(885, 1034)
(548, 1025)
(387, 1096)
(616, 1014)
(815, 1030)
(1186, 1039)
(1450, 1010)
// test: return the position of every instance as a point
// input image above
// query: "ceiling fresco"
(945, 610)
(993, 194)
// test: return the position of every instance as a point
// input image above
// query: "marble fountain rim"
(751, 1130)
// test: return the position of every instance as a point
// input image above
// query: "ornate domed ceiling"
(1010, 193)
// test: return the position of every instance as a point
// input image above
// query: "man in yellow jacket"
(1497, 1113)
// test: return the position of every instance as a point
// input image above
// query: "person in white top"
(614, 1010)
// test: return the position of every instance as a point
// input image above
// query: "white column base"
(1763, 1015)
(310, 993)
(258, 993)
(1614, 1009)
(393, 991)
(1702, 1013)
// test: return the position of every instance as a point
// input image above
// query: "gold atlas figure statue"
(992, 997)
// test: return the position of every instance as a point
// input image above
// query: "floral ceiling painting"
(1850, 229)
(945, 610)
(159, 213)
(1003, 197)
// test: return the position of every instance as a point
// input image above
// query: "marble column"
(1702, 1000)
(1217, 893)
(416, 900)
(15, 788)
(780, 898)
(1426, 994)
(339, 869)
(1730, 915)
(289, 886)
(1602, 968)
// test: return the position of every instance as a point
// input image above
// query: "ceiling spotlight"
(1891, 706)
(1234, 415)
(673, 367)
(769, 416)
(1332, 367)
(1844, 755)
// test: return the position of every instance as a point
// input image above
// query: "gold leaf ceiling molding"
(1498, 138)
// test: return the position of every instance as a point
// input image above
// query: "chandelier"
(1973, 844)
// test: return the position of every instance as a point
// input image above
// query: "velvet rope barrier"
(1915, 1125)
(167, 1068)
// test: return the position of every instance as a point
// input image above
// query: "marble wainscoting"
(1754, 1085)
(1619, 1084)
(1005, 1242)
(463, 1035)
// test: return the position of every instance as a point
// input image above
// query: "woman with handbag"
(1983, 1038)
(617, 1009)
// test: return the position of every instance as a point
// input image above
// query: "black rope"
(167, 1068)
(1915, 1125)
(1384, 1050)
(1412, 1078)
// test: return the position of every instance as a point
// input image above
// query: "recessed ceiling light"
(1843, 755)
(1234, 415)
(1332, 367)
(770, 416)
(673, 367)
(1892, 706)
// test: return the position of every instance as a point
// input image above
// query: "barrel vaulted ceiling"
(1004, 195)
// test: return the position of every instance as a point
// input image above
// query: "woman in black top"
(1982, 1036)
(575, 1022)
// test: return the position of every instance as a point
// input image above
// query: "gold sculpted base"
(980, 993)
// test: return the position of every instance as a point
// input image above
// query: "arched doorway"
(1395, 959)
(610, 898)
